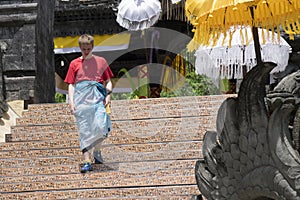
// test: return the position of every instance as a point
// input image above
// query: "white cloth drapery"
(226, 56)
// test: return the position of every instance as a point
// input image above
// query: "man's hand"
(107, 100)
(72, 108)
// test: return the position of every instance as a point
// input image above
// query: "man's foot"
(86, 167)
(98, 157)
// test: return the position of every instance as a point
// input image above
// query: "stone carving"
(254, 153)
(288, 90)
(3, 46)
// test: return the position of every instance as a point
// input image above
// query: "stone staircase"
(150, 154)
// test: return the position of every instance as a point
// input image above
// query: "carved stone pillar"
(3, 104)
(45, 68)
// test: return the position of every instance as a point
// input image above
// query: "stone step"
(131, 127)
(124, 167)
(38, 136)
(45, 128)
(183, 177)
(65, 119)
(53, 149)
(114, 154)
(67, 165)
(120, 175)
(173, 192)
(72, 166)
(74, 143)
(35, 153)
(13, 163)
(40, 120)
(154, 112)
(121, 136)
(150, 154)
(38, 145)
(25, 170)
(141, 108)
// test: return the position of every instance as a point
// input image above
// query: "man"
(89, 93)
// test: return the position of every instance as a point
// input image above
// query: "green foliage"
(201, 85)
(132, 95)
(120, 96)
(132, 84)
(60, 98)
(142, 90)
(194, 85)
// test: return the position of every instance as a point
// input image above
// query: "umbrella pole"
(256, 45)
(256, 40)
(145, 45)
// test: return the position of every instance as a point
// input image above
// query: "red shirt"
(92, 69)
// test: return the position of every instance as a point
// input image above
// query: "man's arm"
(71, 98)
(108, 86)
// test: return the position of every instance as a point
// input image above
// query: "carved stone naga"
(254, 153)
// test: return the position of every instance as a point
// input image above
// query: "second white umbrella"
(138, 14)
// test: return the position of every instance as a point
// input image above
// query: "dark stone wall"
(19, 64)
(17, 55)
(27, 70)
(45, 72)
(90, 20)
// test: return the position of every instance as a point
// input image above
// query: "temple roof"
(74, 17)
(79, 4)
(91, 21)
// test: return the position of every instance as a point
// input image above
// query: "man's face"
(86, 50)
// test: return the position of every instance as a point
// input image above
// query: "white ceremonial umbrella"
(175, 1)
(219, 60)
(138, 14)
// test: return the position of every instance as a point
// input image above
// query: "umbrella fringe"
(218, 60)
(133, 26)
(173, 11)
(233, 68)
(266, 15)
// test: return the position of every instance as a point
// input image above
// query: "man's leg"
(87, 162)
(97, 153)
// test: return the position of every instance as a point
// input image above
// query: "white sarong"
(93, 122)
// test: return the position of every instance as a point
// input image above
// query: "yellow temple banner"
(107, 42)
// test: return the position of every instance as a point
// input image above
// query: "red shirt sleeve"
(107, 74)
(71, 75)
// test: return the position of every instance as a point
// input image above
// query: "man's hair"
(86, 39)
